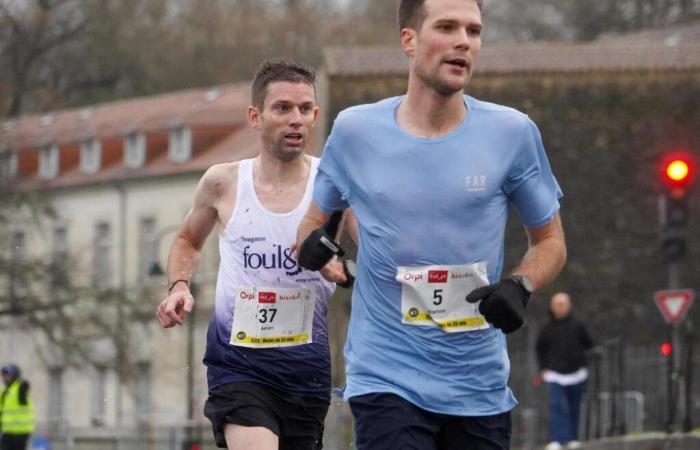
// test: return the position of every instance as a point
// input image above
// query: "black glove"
(503, 304)
(320, 246)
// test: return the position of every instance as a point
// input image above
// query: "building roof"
(215, 116)
(668, 36)
(612, 54)
(223, 105)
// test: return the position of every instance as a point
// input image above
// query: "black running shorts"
(388, 422)
(297, 421)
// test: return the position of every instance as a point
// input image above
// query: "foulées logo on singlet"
(277, 257)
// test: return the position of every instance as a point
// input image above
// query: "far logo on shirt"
(476, 183)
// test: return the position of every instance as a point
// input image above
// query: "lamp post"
(155, 271)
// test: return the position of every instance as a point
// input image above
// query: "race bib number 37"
(272, 317)
(435, 296)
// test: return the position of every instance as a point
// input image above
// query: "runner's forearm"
(313, 219)
(543, 261)
(183, 260)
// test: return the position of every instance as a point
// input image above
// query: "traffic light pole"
(670, 404)
(687, 420)
(677, 173)
(674, 360)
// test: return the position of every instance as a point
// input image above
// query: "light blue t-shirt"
(421, 201)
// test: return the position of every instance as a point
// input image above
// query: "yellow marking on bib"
(272, 339)
(452, 323)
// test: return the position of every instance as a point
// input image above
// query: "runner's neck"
(425, 113)
(280, 185)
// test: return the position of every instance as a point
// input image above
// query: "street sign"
(674, 304)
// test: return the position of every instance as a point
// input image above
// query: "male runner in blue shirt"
(430, 177)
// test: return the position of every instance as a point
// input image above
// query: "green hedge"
(604, 134)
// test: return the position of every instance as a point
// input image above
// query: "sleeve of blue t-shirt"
(331, 184)
(531, 185)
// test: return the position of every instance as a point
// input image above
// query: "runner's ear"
(253, 117)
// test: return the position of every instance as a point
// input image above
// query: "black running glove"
(320, 246)
(502, 304)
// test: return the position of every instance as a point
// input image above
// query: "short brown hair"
(412, 13)
(279, 70)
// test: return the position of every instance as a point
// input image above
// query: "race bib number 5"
(272, 317)
(434, 296)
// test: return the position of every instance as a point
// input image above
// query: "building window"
(135, 154)
(47, 119)
(99, 397)
(180, 146)
(148, 246)
(90, 155)
(59, 257)
(55, 397)
(8, 164)
(87, 113)
(19, 246)
(48, 161)
(9, 125)
(60, 243)
(18, 256)
(102, 261)
(143, 390)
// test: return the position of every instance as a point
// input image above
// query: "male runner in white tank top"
(267, 345)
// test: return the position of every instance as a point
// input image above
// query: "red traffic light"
(678, 170)
(666, 349)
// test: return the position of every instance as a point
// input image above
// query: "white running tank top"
(256, 259)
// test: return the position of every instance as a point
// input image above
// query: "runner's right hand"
(173, 310)
(333, 272)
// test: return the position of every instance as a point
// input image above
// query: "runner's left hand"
(502, 304)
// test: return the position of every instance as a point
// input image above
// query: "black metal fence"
(627, 391)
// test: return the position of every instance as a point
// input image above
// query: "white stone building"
(120, 176)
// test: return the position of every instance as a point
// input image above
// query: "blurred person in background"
(16, 410)
(561, 353)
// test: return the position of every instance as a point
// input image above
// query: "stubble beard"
(287, 154)
(443, 88)
(275, 147)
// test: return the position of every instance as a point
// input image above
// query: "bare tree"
(29, 32)
(582, 21)
(49, 293)
(59, 53)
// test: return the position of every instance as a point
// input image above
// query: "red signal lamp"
(678, 171)
(666, 349)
